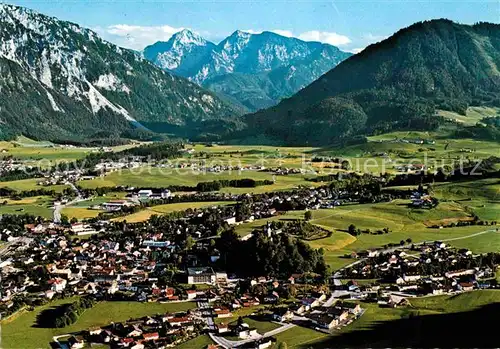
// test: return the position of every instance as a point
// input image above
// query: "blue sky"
(351, 25)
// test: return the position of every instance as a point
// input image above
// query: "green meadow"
(20, 331)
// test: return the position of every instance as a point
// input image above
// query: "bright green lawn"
(199, 342)
(19, 333)
(299, 337)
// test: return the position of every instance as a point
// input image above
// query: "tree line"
(64, 315)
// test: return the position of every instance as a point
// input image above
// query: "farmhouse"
(144, 194)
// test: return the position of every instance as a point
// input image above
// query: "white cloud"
(251, 31)
(282, 32)
(136, 37)
(356, 50)
(325, 37)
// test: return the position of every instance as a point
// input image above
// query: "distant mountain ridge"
(395, 84)
(61, 81)
(254, 70)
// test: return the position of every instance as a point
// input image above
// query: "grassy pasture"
(158, 177)
(30, 184)
(38, 206)
(168, 208)
(472, 116)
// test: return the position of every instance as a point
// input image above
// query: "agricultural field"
(31, 184)
(45, 154)
(20, 331)
(389, 149)
(38, 206)
(153, 177)
(168, 208)
(80, 213)
(268, 156)
(481, 197)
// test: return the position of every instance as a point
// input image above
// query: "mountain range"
(60, 81)
(395, 84)
(254, 71)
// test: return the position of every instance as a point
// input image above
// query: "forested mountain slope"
(395, 84)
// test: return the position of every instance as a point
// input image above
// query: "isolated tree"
(64, 220)
(189, 242)
(352, 230)
(308, 215)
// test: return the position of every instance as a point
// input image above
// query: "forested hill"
(59, 81)
(394, 84)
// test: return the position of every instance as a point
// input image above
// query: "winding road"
(58, 208)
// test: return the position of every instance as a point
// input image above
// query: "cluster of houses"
(415, 141)
(427, 269)
(10, 164)
(422, 200)
(98, 267)
(159, 331)
(411, 168)
(283, 171)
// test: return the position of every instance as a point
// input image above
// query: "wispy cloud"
(136, 37)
